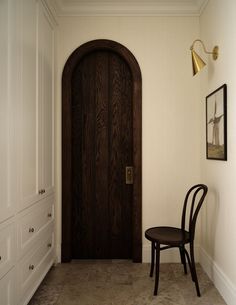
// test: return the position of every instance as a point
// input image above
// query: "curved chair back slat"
(197, 193)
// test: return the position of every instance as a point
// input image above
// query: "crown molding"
(50, 9)
(62, 8)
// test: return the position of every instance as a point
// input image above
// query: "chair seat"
(168, 236)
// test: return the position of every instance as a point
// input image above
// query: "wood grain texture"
(105, 132)
(101, 218)
(121, 155)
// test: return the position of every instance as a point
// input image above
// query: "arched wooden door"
(101, 137)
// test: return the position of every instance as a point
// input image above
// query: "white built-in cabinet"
(26, 148)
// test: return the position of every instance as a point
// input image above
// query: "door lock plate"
(129, 175)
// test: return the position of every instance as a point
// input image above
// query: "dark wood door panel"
(102, 102)
(121, 155)
(101, 221)
(90, 225)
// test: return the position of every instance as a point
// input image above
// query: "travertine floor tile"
(117, 282)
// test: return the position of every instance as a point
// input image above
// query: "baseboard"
(167, 256)
(58, 253)
(218, 277)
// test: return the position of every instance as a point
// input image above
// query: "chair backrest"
(193, 202)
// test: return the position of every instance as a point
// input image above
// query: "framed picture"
(216, 124)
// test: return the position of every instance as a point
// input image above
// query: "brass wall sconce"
(197, 62)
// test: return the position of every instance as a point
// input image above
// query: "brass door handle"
(129, 175)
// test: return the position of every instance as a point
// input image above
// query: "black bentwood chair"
(172, 237)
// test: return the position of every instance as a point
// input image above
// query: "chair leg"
(189, 263)
(194, 273)
(183, 258)
(157, 268)
(152, 259)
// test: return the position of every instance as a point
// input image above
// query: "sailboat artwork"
(216, 124)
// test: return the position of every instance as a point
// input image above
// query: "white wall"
(218, 247)
(171, 105)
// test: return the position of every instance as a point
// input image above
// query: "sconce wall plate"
(215, 52)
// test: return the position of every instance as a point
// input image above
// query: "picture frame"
(216, 124)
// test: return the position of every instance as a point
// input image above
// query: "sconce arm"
(204, 48)
(215, 51)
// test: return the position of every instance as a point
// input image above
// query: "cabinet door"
(46, 105)
(28, 138)
(7, 111)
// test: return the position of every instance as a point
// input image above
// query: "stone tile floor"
(122, 283)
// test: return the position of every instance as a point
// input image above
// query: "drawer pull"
(31, 230)
(0, 258)
(42, 191)
(49, 245)
(49, 215)
(31, 267)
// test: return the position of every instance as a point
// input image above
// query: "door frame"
(71, 63)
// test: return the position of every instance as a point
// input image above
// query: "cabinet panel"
(45, 91)
(4, 125)
(29, 105)
(7, 248)
(36, 119)
(7, 119)
(8, 294)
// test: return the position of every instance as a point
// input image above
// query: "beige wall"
(217, 26)
(174, 122)
(171, 105)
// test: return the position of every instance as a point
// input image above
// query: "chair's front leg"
(183, 258)
(152, 259)
(157, 249)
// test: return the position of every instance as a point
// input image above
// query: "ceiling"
(126, 7)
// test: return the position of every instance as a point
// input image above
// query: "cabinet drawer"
(7, 248)
(34, 266)
(33, 223)
(8, 289)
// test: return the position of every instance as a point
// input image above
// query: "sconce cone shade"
(197, 62)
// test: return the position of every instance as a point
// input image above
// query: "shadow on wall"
(210, 223)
